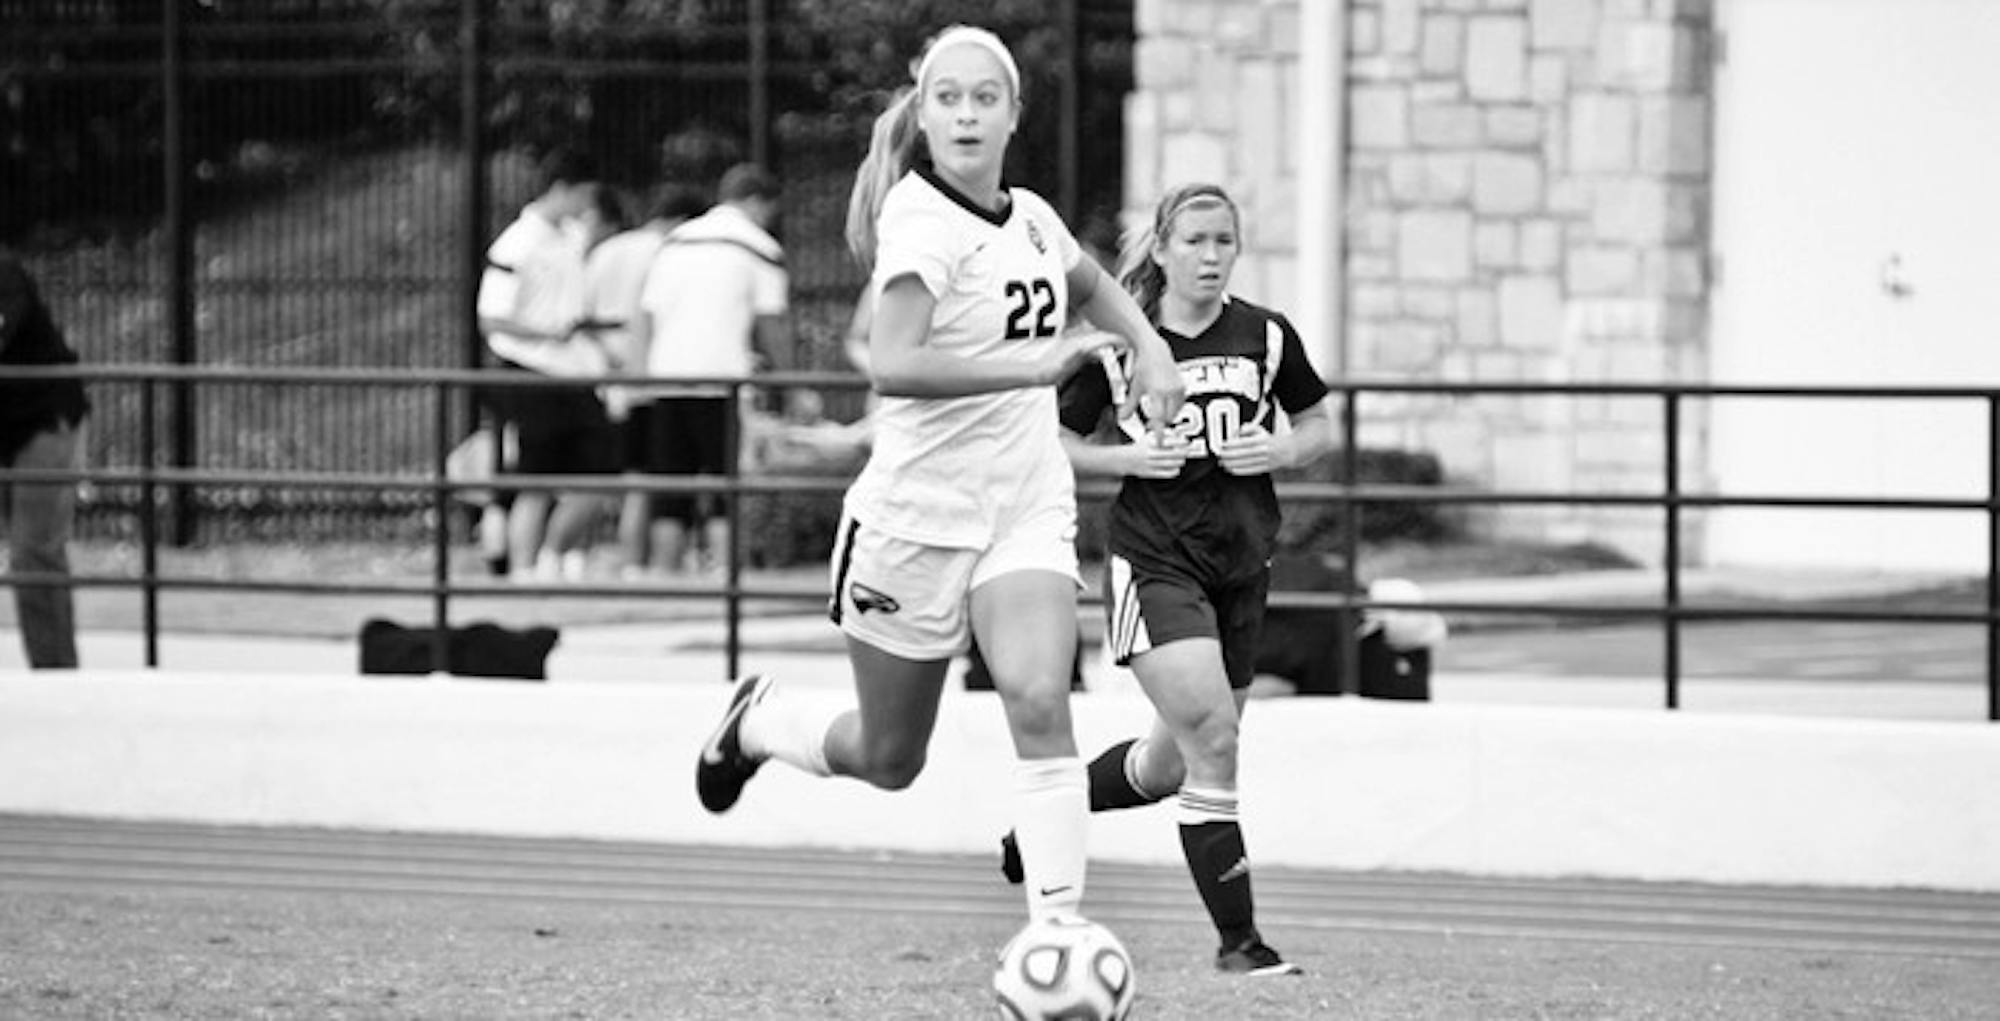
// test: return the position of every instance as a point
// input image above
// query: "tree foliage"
(83, 93)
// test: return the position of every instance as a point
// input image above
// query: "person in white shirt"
(531, 299)
(963, 520)
(617, 271)
(714, 304)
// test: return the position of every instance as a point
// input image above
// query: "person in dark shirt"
(41, 429)
(1190, 540)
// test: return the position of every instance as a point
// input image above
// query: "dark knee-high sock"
(1213, 844)
(1111, 785)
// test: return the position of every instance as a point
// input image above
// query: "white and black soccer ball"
(1064, 968)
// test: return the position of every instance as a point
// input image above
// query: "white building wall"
(1526, 186)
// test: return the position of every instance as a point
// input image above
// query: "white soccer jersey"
(955, 471)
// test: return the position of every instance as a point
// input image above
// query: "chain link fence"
(312, 183)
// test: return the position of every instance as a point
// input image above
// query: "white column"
(1321, 132)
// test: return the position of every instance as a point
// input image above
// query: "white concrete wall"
(1479, 790)
(1885, 112)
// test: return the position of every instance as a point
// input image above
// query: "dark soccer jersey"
(1205, 520)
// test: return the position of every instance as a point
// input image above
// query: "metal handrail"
(1671, 610)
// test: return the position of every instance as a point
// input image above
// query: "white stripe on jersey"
(1274, 352)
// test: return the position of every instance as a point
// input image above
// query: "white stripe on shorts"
(1126, 623)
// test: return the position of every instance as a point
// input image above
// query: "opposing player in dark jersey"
(1191, 536)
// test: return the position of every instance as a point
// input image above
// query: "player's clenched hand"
(1156, 456)
(1252, 451)
(1072, 352)
(1157, 391)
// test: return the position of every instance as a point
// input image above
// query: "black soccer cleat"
(1010, 859)
(1254, 958)
(723, 769)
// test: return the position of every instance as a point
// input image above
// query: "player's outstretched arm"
(902, 363)
(1156, 392)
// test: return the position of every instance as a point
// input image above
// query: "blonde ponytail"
(893, 145)
(892, 150)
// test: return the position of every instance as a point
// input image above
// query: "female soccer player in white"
(963, 521)
(1191, 538)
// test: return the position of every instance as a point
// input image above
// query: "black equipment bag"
(482, 649)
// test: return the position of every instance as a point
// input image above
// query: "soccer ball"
(1064, 968)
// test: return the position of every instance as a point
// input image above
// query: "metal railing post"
(473, 214)
(1350, 545)
(759, 73)
(1993, 557)
(179, 227)
(1672, 506)
(441, 534)
(149, 526)
(1069, 111)
(732, 579)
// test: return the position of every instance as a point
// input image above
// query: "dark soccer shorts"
(685, 436)
(1146, 610)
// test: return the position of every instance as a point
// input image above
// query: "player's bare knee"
(893, 770)
(1211, 743)
(1038, 711)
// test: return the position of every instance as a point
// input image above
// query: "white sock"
(1051, 817)
(789, 731)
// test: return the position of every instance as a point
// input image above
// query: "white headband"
(978, 37)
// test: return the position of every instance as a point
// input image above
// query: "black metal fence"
(426, 496)
(312, 183)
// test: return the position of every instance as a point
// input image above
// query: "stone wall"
(1527, 189)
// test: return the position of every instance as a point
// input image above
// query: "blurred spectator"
(581, 439)
(42, 429)
(527, 303)
(617, 271)
(531, 298)
(799, 436)
(714, 306)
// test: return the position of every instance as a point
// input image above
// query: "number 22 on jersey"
(1031, 309)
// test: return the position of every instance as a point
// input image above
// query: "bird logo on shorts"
(865, 599)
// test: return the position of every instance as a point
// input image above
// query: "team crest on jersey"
(1035, 238)
(865, 598)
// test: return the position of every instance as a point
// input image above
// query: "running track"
(55, 854)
